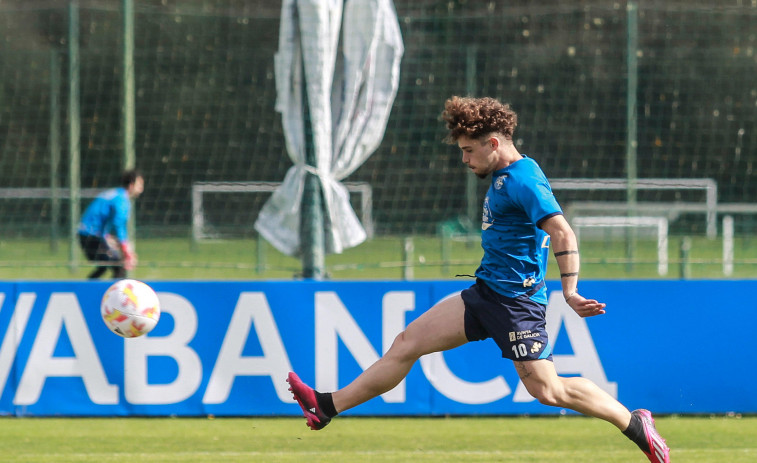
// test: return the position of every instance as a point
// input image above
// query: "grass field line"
(386, 455)
(320, 453)
(344, 455)
(336, 453)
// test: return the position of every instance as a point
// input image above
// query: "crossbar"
(199, 188)
(661, 223)
(45, 193)
(708, 185)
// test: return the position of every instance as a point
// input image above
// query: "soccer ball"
(130, 308)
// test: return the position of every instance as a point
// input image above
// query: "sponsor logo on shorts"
(527, 334)
(536, 347)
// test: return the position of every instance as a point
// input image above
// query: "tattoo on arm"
(523, 370)
(564, 253)
(572, 274)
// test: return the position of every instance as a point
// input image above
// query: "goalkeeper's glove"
(129, 256)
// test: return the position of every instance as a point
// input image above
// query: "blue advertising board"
(225, 348)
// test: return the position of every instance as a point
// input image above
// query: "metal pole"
(127, 101)
(313, 255)
(408, 256)
(54, 148)
(261, 255)
(632, 46)
(311, 218)
(74, 133)
(685, 250)
(473, 206)
(728, 245)
(127, 94)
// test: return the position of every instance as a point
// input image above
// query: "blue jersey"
(515, 248)
(108, 213)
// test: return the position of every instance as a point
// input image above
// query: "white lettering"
(451, 386)
(459, 390)
(176, 346)
(333, 322)
(394, 305)
(64, 310)
(252, 308)
(13, 335)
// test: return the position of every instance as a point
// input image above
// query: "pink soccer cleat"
(658, 450)
(305, 396)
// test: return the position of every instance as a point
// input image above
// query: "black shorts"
(518, 326)
(97, 249)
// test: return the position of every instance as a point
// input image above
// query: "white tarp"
(350, 95)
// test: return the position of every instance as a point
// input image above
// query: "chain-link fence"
(205, 93)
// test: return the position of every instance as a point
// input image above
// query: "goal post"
(708, 185)
(199, 189)
(659, 223)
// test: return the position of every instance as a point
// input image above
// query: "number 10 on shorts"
(520, 350)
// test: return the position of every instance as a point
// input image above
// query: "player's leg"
(97, 273)
(118, 271)
(91, 246)
(582, 395)
(440, 328)
(109, 251)
(576, 393)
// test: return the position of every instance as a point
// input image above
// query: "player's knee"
(546, 395)
(403, 347)
(549, 399)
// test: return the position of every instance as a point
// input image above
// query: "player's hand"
(129, 256)
(130, 261)
(586, 307)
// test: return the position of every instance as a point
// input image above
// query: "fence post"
(632, 45)
(54, 147)
(728, 245)
(74, 134)
(685, 250)
(408, 254)
(261, 263)
(128, 117)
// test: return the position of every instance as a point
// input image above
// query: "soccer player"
(520, 218)
(103, 231)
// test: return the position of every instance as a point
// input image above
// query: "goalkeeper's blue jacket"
(515, 248)
(107, 214)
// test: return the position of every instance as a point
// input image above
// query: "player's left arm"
(565, 248)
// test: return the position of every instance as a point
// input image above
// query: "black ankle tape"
(635, 432)
(326, 403)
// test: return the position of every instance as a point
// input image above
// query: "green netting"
(205, 94)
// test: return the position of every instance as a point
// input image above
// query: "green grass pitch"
(366, 440)
(377, 259)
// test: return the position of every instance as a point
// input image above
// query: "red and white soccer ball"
(130, 308)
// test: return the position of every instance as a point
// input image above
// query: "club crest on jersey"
(499, 182)
(486, 219)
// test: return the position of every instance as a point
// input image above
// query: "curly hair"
(478, 117)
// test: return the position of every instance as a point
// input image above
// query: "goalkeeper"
(508, 302)
(103, 228)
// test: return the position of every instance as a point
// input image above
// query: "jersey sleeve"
(536, 197)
